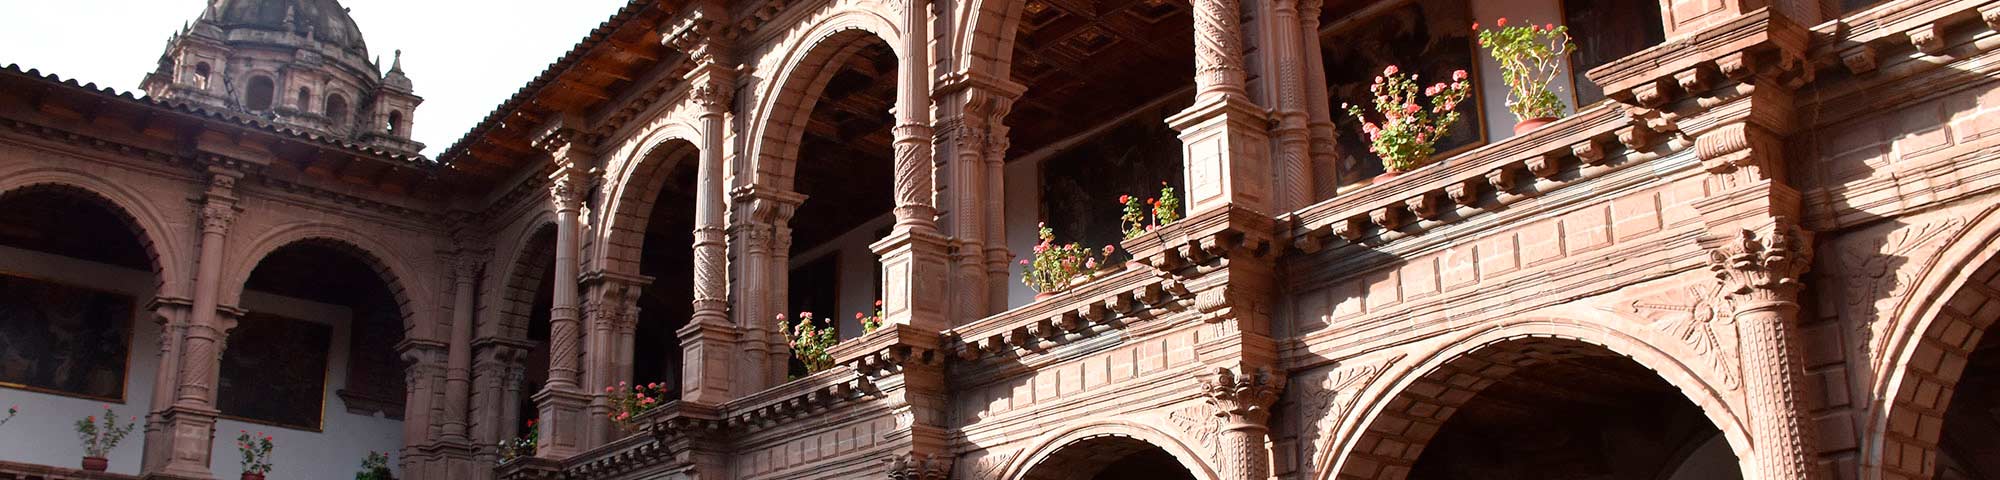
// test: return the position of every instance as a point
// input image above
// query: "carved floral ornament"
(1762, 264)
(1327, 402)
(1881, 271)
(1244, 398)
(918, 466)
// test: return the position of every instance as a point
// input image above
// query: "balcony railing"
(24, 471)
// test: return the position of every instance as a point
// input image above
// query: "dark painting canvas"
(1431, 38)
(274, 371)
(63, 339)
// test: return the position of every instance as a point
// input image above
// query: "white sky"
(465, 56)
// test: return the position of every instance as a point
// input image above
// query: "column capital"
(216, 217)
(1760, 264)
(1243, 394)
(919, 466)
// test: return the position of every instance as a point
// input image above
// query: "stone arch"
(630, 198)
(520, 273)
(986, 43)
(140, 214)
(806, 67)
(1390, 428)
(1053, 446)
(393, 270)
(1948, 310)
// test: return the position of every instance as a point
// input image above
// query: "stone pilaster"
(423, 375)
(612, 314)
(762, 242)
(496, 372)
(172, 315)
(191, 420)
(974, 208)
(458, 368)
(563, 425)
(1242, 396)
(1225, 147)
(1319, 112)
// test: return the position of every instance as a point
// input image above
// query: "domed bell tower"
(298, 63)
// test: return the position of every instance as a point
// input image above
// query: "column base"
(561, 428)
(1227, 154)
(190, 432)
(915, 269)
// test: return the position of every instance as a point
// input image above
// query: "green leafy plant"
(520, 447)
(628, 401)
(810, 341)
(1054, 266)
(870, 323)
(375, 467)
(1141, 216)
(1168, 209)
(1133, 220)
(1530, 59)
(256, 452)
(99, 437)
(11, 411)
(1413, 117)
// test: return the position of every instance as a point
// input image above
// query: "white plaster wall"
(857, 265)
(44, 433)
(346, 439)
(1493, 93)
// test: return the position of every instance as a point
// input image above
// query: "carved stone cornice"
(888, 350)
(1762, 264)
(1242, 395)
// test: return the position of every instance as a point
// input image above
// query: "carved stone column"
(191, 421)
(1226, 150)
(1319, 115)
(1296, 175)
(1242, 397)
(999, 260)
(914, 210)
(560, 401)
(1759, 270)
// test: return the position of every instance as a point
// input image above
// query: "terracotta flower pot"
(253, 476)
(1531, 124)
(96, 464)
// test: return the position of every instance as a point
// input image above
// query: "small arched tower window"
(336, 109)
(395, 123)
(258, 96)
(305, 100)
(201, 75)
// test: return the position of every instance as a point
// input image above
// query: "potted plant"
(519, 447)
(99, 437)
(628, 401)
(256, 452)
(812, 344)
(375, 467)
(1530, 58)
(1142, 217)
(1413, 118)
(1055, 267)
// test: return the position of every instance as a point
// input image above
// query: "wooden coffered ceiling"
(1086, 62)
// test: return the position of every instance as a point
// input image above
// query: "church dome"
(326, 19)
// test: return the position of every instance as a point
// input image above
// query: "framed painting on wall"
(63, 339)
(274, 371)
(1430, 38)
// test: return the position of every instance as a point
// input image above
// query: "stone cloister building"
(1760, 245)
